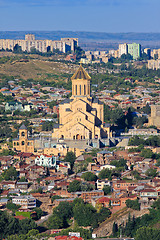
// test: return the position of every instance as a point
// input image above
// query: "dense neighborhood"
(100, 177)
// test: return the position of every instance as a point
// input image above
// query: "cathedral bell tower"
(80, 83)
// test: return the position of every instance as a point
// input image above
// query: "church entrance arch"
(78, 137)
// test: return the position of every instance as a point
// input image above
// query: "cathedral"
(81, 117)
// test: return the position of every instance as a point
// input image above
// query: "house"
(47, 161)
(8, 184)
(102, 183)
(147, 197)
(107, 202)
(107, 166)
(58, 201)
(87, 196)
(22, 186)
(104, 157)
(3, 202)
(26, 202)
(122, 185)
(13, 106)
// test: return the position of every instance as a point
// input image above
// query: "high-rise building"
(123, 49)
(135, 50)
(63, 45)
(30, 37)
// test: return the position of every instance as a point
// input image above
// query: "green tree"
(39, 212)
(26, 225)
(10, 174)
(17, 49)
(84, 214)
(64, 211)
(55, 222)
(70, 157)
(136, 141)
(147, 109)
(105, 173)
(144, 233)
(12, 206)
(74, 186)
(134, 204)
(156, 204)
(151, 172)
(22, 179)
(114, 229)
(146, 153)
(103, 214)
(89, 176)
(55, 197)
(107, 190)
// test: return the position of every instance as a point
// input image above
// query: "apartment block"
(135, 50)
(154, 64)
(123, 49)
(63, 45)
(26, 202)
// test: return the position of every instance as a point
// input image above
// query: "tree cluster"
(84, 214)
(134, 204)
(9, 225)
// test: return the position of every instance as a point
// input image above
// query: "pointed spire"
(23, 127)
(81, 74)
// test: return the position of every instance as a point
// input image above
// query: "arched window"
(23, 134)
(22, 142)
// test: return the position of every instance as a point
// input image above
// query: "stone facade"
(155, 116)
(23, 143)
(81, 116)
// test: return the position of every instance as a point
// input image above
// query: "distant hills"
(91, 40)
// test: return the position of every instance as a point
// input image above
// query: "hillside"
(35, 67)
(120, 217)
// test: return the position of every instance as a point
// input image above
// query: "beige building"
(155, 52)
(154, 64)
(23, 143)
(63, 45)
(123, 49)
(81, 116)
(155, 116)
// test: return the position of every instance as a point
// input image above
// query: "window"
(23, 134)
(22, 143)
(84, 89)
(76, 89)
(80, 89)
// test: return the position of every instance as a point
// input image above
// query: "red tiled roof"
(148, 190)
(103, 199)
(20, 217)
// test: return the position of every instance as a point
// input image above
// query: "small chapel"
(81, 116)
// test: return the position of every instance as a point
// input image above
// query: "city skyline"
(88, 15)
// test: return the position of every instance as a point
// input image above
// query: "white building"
(47, 161)
(123, 49)
(26, 202)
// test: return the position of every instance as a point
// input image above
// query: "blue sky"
(80, 15)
